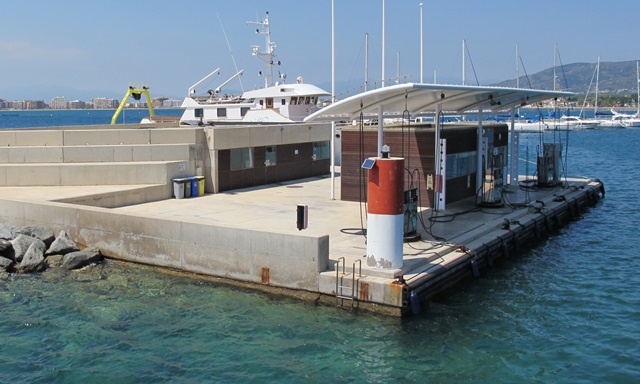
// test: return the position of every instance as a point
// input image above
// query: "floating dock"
(56, 177)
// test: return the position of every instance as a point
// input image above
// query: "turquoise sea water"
(564, 311)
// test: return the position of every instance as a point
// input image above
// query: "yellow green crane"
(136, 91)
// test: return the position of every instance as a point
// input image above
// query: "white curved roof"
(286, 90)
(417, 98)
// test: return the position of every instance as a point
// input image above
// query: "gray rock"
(62, 245)
(54, 261)
(7, 231)
(6, 249)
(5, 264)
(33, 260)
(21, 244)
(39, 232)
(82, 258)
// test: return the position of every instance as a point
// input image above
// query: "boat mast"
(595, 105)
(268, 55)
(638, 100)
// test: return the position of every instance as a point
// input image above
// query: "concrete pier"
(249, 236)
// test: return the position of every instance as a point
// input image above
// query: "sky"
(83, 49)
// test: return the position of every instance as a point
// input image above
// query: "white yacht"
(275, 103)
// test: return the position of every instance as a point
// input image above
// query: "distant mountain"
(615, 78)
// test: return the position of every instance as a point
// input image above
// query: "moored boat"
(275, 103)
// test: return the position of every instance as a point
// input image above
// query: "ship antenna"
(231, 53)
(268, 55)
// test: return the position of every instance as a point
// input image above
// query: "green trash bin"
(200, 185)
(187, 187)
(178, 188)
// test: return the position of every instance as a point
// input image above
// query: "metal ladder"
(346, 292)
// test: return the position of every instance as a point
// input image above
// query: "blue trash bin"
(194, 186)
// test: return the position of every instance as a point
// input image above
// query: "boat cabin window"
(222, 112)
(243, 111)
(270, 156)
(294, 100)
(261, 102)
(307, 100)
(283, 102)
(269, 102)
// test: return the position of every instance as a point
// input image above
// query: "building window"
(270, 156)
(321, 150)
(222, 112)
(241, 158)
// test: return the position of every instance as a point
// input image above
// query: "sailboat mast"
(595, 110)
(555, 56)
(638, 76)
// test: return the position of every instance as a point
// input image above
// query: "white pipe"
(366, 61)
(193, 87)
(421, 49)
(383, 41)
(398, 70)
(480, 165)
(464, 78)
(217, 90)
(380, 129)
(513, 156)
(333, 99)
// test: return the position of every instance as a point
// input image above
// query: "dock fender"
(556, 218)
(504, 248)
(573, 211)
(488, 257)
(414, 302)
(547, 222)
(475, 271)
(516, 242)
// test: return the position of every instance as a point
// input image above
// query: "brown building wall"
(417, 147)
(289, 166)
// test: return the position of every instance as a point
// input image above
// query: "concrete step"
(97, 153)
(99, 135)
(106, 173)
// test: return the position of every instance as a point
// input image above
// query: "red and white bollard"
(385, 213)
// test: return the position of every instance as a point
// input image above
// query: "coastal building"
(59, 102)
(35, 104)
(77, 104)
(104, 103)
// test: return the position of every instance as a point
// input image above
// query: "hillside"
(615, 78)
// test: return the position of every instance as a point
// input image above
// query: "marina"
(248, 236)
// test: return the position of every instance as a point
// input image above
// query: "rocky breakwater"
(32, 249)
